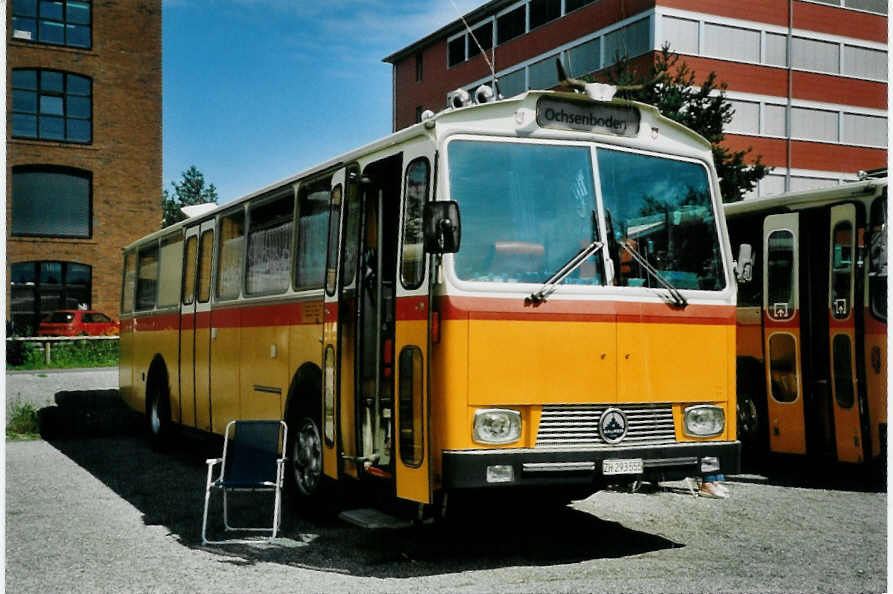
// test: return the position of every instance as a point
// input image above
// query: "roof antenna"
(598, 91)
(477, 43)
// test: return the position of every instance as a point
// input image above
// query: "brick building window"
(56, 22)
(38, 288)
(49, 201)
(52, 105)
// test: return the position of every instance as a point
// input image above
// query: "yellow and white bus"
(812, 322)
(534, 292)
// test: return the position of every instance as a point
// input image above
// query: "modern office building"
(83, 148)
(808, 79)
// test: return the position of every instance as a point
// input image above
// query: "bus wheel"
(751, 427)
(306, 458)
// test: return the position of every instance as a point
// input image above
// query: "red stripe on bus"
(280, 314)
(793, 321)
(412, 308)
(847, 322)
(485, 308)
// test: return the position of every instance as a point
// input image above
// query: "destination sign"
(600, 118)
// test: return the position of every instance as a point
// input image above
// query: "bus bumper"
(471, 469)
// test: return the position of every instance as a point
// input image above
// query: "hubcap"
(747, 419)
(155, 417)
(307, 457)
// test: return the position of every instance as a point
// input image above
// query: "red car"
(76, 322)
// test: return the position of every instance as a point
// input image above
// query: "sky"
(255, 91)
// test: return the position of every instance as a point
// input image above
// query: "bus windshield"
(662, 209)
(526, 210)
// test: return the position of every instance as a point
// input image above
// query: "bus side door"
(411, 336)
(187, 328)
(339, 327)
(203, 332)
(782, 336)
(842, 334)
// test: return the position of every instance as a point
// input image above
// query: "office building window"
(811, 54)
(543, 74)
(627, 42)
(869, 5)
(774, 120)
(864, 62)
(456, 51)
(864, 129)
(733, 43)
(484, 36)
(584, 58)
(814, 124)
(51, 201)
(543, 11)
(51, 105)
(570, 5)
(39, 288)
(511, 24)
(56, 22)
(512, 83)
(681, 34)
(746, 119)
(776, 50)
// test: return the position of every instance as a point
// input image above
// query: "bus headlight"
(496, 425)
(704, 420)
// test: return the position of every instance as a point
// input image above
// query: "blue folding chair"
(253, 460)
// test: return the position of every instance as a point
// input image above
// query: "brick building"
(83, 149)
(808, 79)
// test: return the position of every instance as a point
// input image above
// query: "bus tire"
(158, 415)
(309, 490)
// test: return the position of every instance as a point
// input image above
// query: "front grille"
(576, 425)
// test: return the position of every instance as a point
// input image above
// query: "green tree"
(190, 191)
(670, 86)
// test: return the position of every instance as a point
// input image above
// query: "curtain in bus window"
(313, 220)
(229, 268)
(206, 247)
(843, 370)
(171, 267)
(662, 209)
(147, 279)
(526, 210)
(780, 279)
(877, 271)
(841, 269)
(783, 367)
(269, 247)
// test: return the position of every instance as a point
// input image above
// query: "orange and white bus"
(812, 322)
(534, 292)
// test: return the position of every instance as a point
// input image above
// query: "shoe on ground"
(711, 491)
(722, 489)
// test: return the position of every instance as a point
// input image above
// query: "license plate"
(625, 466)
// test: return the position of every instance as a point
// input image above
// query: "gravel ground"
(39, 387)
(90, 513)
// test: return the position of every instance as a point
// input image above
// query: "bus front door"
(782, 336)
(846, 400)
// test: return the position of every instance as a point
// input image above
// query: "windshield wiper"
(552, 283)
(675, 296)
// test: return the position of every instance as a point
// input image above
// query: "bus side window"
(229, 265)
(189, 271)
(269, 247)
(780, 264)
(412, 261)
(313, 222)
(171, 266)
(128, 292)
(204, 266)
(841, 352)
(147, 279)
(411, 392)
(841, 270)
(877, 272)
(783, 367)
(332, 252)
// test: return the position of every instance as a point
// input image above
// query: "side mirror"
(744, 265)
(442, 230)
